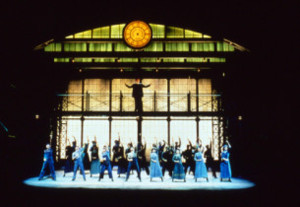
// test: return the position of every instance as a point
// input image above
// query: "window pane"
(74, 96)
(98, 128)
(102, 32)
(205, 99)
(96, 93)
(75, 47)
(85, 34)
(189, 132)
(154, 47)
(192, 34)
(154, 131)
(127, 130)
(122, 47)
(179, 89)
(177, 47)
(160, 86)
(100, 47)
(174, 32)
(118, 86)
(117, 31)
(158, 31)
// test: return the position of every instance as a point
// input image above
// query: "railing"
(152, 102)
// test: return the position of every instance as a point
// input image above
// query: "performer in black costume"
(86, 160)
(167, 163)
(189, 158)
(115, 151)
(122, 162)
(137, 94)
(210, 163)
(141, 150)
(69, 164)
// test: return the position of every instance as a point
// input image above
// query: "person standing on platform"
(225, 168)
(200, 169)
(210, 163)
(167, 162)
(155, 169)
(48, 160)
(132, 162)
(189, 160)
(69, 165)
(77, 157)
(105, 163)
(95, 163)
(178, 172)
(137, 94)
(141, 154)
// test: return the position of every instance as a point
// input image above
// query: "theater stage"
(134, 184)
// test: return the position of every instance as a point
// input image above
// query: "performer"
(115, 151)
(225, 168)
(177, 144)
(167, 162)
(178, 172)
(161, 146)
(188, 156)
(105, 163)
(155, 170)
(85, 156)
(141, 150)
(95, 163)
(200, 171)
(210, 163)
(77, 157)
(122, 162)
(69, 165)
(137, 94)
(48, 160)
(132, 162)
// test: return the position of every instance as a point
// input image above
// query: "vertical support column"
(168, 80)
(139, 120)
(197, 126)
(109, 130)
(82, 128)
(189, 102)
(110, 94)
(121, 101)
(169, 132)
(154, 102)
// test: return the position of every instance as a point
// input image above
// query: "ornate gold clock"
(137, 34)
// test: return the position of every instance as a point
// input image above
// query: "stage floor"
(134, 184)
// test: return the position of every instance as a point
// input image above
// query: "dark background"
(263, 91)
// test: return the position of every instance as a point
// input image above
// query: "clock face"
(137, 34)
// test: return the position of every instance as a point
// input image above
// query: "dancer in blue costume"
(105, 163)
(95, 164)
(48, 160)
(132, 162)
(155, 170)
(225, 168)
(178, 172)
(200, 169)
(77, 157)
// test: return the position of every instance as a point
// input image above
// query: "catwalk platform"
(133, 183)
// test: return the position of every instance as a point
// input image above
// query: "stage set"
(141, 84)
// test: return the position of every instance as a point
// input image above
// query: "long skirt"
(155, 170)
(200, 170)
(225, 169)
(122, 166)
(95, 167)
(178, 172)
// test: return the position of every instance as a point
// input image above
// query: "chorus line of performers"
(163, 157)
